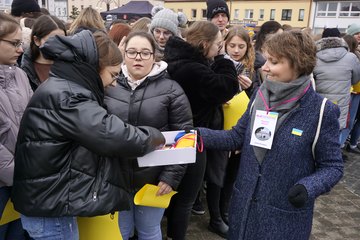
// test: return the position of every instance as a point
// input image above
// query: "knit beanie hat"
(353, 29)
(167, 19)
(330, 32)
(216, 6)
(18, 7)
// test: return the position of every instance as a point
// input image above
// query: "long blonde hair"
(249, 57)
(88, 18)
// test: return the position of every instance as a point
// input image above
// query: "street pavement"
(336, 215)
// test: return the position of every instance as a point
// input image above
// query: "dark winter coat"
(157, 102)
(259, 207)
(207, 88)
(65, 135)
(336, 70)
(15, 93)
(28, 66)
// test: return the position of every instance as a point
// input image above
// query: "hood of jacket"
(80, 47)
(158, 68)
(176, 49)
(331, 49)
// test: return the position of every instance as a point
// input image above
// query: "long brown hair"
(249, 57)
(200, 33)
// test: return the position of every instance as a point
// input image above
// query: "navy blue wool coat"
(259, 207)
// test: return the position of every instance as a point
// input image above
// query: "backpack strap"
(318, 126)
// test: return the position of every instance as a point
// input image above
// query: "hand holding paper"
(147, 196)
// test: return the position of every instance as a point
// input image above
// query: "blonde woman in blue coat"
(278, 180)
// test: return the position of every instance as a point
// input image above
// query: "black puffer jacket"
(65, 135)
(157, 102)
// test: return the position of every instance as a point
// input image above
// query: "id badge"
(264, 129)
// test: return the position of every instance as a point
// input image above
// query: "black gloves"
(298, 195)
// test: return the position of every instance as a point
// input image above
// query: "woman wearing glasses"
(15, 92)
(145, 96)
(66, 137)
(165, 24)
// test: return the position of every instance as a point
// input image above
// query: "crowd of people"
(80, 103)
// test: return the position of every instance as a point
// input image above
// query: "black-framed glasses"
(132, 54)
(16, 44)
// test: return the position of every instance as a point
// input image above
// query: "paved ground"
(336, 217)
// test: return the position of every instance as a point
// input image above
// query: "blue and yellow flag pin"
(297, 132)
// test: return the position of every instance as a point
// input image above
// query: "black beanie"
(18, 7)
(330, 32)
(216, 6)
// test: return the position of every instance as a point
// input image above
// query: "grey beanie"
(353, 29)
(167, 19)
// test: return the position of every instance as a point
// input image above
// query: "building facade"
(330, 14)
(292, 12)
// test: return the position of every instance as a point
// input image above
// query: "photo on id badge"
(262, 133)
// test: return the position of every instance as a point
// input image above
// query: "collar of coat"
(330, 42)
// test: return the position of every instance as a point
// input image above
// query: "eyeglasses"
(132, 54)
(165, 33)
(16, 44)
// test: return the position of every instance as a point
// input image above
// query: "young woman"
(209, 80)
(33, 63)
(145, 96)
(15, 93)
(61, 169)
(279, 180)
(88, 19)
(239, 48)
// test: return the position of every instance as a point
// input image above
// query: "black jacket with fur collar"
(207, 86)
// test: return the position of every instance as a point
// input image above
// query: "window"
(349, 9)
(81, 7)
(249, 13)
(272, 14)
(193, 13)
(64, 11)
(203, 13)
(301, 14)
(236, 14)
(180, 10)
(325, 9)
(261, 14)
(286, 14)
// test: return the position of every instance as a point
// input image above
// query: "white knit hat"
(167, 19)
(353, 29)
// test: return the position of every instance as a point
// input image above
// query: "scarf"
(276, 95)
(81, 73)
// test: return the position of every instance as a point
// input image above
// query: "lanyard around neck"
(268, 109)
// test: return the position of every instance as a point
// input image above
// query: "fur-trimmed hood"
(331, 49)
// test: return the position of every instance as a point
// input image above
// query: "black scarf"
(81, 73)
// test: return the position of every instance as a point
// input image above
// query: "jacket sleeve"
(328, 159)
(227, 140)
(355, 70)
(84, 121)
(6, 166)
(217, 84)
(180, 117)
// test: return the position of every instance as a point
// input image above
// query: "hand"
(244, 82)
(164, 189)
(298, 195)
(121, 45)
(221, 49)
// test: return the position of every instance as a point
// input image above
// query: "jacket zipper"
(98, 179)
